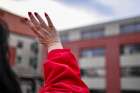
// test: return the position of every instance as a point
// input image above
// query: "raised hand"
(46, 33)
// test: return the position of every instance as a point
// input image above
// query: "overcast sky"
(67, 14)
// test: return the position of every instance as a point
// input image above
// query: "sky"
(67, 14)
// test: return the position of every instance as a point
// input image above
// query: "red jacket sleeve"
(62, 74)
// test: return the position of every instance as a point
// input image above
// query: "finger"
(32, 18)
(42, 22)
(45, 32)
(33, 28)
(30, 24)
(49, 20)
(37, 33)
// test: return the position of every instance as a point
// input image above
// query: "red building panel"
(12, 55)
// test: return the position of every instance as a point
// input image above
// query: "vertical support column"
(12, 56)
(113, 67)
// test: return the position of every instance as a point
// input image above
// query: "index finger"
(49, 20)
(42, 22)
(33, 19)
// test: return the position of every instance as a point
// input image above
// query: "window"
(19, 59)
(130, 91)
(138, 27)
(86, 53)
(34, 47)
(97, 91)
(93, 72)
(128, 28)
(125, 71)
(130, 49)
(92, 52)
(133, 71)
(33, 62)
(90, 72)
(64, 37)
(20, 44)
(40, 81)
(92, 33)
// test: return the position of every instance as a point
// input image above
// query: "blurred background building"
(25, 52)
(108, 54)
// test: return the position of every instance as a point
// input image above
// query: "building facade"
(25, 52)
(108, 55)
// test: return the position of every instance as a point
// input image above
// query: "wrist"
(55, 45)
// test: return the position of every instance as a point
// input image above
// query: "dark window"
(125, 71)
(92, 33)
(82, 72)
(40, 81)
(20, 44)
(93, 72)
(34, 47)
(92, 52)
(19, 59)
(133, 71)
(130, 49)
(33, 62)
(128, 28)
(130, 91)
(64, 37)
(90, 72)
(97, 91)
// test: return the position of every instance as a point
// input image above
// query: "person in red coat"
(61, 71)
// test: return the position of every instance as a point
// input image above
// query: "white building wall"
(25, 52)
(23, 69)
(130, 83)
(74, 35)
(92, 62)
(95, 83)
(112, 29)
(130, 60)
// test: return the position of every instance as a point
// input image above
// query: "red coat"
(62, 74)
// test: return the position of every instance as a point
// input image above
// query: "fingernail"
(29, 13)
(35, 13)
(46, 14)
